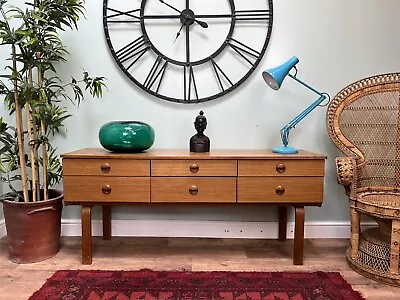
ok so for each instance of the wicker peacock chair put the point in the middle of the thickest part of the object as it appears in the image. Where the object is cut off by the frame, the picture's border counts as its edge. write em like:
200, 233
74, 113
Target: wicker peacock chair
363, 120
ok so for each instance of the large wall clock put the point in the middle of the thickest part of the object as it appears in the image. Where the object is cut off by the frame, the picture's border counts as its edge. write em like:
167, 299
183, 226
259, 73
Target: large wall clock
187, 51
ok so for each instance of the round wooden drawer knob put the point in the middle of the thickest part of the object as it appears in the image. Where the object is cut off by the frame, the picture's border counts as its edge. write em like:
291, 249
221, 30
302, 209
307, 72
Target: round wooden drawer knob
194, 168
280, 168
280, 190
193, 190
105, 168
106, 189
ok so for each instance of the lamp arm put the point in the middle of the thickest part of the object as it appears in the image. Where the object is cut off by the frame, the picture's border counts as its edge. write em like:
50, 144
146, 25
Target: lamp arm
286, 129
305, 84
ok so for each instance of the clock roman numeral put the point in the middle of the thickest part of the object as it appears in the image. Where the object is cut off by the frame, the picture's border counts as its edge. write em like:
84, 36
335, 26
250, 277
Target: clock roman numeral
221, 76
247, 53
252, 15
189, 82
133, 50
117, 13
156, 74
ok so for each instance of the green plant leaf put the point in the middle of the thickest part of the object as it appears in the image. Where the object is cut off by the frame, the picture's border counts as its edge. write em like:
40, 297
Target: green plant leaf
30, 42
35, 30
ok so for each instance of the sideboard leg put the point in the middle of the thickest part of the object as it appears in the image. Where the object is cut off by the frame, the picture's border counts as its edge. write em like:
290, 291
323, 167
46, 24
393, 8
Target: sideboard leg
86, 234
282, 222
298, 236
106, 222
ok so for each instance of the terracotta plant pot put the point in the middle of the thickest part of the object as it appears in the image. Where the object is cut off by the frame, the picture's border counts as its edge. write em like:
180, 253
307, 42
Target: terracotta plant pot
34, 228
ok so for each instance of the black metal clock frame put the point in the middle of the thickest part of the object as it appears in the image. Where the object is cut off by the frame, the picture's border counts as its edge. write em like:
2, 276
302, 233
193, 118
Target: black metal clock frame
137, 48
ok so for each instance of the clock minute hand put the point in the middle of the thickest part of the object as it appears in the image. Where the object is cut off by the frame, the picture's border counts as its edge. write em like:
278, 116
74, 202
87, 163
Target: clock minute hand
175, 9
201, 23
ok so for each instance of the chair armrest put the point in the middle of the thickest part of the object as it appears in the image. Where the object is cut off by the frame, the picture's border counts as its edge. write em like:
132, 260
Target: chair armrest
345, 168
346, 171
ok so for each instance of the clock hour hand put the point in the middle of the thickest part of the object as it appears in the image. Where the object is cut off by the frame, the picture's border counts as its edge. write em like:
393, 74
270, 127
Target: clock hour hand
201, 23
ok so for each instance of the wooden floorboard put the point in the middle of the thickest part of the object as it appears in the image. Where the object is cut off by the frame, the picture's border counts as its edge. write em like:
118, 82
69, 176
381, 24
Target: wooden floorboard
194, 254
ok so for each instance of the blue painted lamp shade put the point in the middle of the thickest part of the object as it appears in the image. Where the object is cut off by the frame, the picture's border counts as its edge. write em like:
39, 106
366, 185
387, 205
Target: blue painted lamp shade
126, 136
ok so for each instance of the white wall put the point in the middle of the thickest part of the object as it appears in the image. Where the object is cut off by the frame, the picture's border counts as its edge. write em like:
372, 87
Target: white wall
337, 42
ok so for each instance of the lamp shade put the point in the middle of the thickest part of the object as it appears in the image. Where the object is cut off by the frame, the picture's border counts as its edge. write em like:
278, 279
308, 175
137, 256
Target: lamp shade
275, 76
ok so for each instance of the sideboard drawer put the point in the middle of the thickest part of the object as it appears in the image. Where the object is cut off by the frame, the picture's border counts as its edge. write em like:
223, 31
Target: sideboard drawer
193, 168
281, 167
106, 167
280, 189
193, 189
106, 189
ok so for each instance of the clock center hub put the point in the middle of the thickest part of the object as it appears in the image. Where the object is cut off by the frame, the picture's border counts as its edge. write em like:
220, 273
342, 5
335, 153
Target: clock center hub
187, 17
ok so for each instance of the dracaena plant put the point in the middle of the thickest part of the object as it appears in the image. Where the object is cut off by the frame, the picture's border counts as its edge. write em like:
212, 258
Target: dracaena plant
33, 93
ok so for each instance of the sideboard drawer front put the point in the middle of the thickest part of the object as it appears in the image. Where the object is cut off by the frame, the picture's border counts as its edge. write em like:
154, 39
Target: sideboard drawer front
280, 190
106, 167
193, 190
193, 168
106, 189
281, 167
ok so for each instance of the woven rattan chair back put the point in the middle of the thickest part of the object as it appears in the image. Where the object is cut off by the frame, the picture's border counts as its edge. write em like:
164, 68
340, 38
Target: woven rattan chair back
363, 120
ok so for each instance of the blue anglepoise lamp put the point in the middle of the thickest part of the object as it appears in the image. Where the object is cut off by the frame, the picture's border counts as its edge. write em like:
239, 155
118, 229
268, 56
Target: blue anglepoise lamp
274, 78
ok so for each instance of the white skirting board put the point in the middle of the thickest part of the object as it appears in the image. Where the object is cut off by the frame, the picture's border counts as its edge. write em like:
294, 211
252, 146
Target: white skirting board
2, 229
205, 229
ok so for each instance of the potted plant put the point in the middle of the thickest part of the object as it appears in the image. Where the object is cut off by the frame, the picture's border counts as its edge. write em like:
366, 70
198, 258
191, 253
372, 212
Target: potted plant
33, 94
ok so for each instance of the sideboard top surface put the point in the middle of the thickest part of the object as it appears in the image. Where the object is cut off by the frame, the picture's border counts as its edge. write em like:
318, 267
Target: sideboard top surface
185, 154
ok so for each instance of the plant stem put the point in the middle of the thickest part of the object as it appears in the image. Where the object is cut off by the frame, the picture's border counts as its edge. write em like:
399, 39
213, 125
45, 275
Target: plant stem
20, 136
31, 126
43, 134
35, 149
12, 188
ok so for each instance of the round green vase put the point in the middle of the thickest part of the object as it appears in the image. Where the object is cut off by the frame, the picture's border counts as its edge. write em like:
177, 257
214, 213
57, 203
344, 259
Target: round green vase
126, 136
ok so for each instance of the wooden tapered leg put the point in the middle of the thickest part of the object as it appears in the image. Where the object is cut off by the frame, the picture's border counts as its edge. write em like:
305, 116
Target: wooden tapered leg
86, 235
355, 231
106, 222
282, 210
298, 247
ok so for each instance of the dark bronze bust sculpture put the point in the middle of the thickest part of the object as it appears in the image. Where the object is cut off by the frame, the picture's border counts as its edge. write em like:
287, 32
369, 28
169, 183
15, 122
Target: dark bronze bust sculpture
200, 142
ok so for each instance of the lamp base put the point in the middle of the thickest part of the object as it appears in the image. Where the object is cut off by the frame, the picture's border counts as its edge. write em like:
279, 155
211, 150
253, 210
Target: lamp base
285, 150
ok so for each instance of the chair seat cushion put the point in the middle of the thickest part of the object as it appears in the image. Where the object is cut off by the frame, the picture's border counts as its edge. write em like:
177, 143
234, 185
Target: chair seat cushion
384, 205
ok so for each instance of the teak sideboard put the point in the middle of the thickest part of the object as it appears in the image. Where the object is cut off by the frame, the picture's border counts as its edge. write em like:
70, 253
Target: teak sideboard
177, 176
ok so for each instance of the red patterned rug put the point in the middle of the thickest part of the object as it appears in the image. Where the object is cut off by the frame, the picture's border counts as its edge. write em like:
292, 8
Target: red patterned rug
148, 284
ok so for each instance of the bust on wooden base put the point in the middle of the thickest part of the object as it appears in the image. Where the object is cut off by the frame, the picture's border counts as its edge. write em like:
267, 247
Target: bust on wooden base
200, 142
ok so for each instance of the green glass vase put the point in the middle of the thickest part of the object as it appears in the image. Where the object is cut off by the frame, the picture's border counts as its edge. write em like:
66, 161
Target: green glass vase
126, 136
